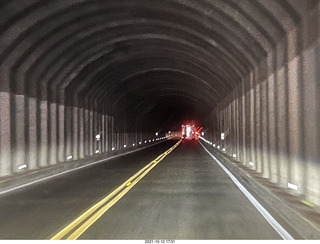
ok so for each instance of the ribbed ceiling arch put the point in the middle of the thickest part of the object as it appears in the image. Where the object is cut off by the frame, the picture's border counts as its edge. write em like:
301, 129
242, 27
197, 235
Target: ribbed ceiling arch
69, 51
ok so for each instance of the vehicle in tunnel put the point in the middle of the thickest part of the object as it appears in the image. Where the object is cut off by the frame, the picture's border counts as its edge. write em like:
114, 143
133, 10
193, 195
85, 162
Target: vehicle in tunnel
189, 132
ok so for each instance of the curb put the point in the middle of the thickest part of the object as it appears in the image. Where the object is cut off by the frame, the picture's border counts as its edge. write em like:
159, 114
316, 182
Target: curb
303, 226
21, 180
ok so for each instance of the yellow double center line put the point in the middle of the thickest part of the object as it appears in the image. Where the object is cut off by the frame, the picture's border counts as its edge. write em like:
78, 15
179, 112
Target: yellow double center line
83, 222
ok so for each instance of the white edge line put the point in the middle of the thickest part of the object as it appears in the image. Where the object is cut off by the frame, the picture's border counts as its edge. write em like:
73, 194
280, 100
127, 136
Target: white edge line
74, 169
276, 226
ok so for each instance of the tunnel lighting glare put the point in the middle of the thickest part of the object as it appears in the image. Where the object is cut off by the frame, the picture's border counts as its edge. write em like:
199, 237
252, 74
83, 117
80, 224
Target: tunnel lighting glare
234, 155
202, 133
218, 147
98, 136
293, 186
214, 145
251, 164
23, 166
69, 157
113, 148
210, 143
145, 141
133, 144
223, 149
124, 145
152, 139
97, 151
222, 136
149, 140
140, 142
157, 133
169, 132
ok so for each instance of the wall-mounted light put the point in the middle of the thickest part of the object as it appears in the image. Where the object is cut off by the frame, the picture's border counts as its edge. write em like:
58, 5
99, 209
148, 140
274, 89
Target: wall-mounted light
251, 164
222, 136
124, 145
223, 149
113, 148
23, 166
140, 142
133, 144
157, 133
97, 151
214, 145
234, 155
293, 186
69, 157
98, 137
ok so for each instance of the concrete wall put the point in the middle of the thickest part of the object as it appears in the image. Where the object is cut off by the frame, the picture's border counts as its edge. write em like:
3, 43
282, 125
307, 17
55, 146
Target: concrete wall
272, 118
36, 134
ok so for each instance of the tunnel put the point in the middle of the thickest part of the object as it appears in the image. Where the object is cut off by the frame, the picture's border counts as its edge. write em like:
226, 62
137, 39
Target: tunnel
85, 80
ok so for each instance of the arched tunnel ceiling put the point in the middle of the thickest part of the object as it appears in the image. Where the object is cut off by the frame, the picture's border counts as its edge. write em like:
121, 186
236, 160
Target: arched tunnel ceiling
138, 54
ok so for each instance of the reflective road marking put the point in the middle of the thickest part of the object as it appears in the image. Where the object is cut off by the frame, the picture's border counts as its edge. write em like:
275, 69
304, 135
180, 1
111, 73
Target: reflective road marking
278, 228
83, 222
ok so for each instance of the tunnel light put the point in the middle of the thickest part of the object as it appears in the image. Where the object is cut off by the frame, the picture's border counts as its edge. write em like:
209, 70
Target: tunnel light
157, 133
222, 136
113, 148
23, 166
140, 142
293, 186
152, 139
124, 146
218, 147
210, 143
202, 133
169, 132
69, 157
251, 164
223, 149
133, 144
234, 155
98, 136
149, 140
145, 141
97, 151
214, 145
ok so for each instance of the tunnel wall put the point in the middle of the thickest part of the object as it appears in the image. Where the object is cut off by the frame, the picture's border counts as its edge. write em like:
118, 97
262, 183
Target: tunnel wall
271, 120
35, 134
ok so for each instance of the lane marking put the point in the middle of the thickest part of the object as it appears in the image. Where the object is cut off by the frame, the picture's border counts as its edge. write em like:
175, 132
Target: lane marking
310, 204
74, 169
276, 226
83, 222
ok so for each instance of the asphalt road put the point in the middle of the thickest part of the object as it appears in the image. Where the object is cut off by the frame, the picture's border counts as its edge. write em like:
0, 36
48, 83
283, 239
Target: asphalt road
186, 196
